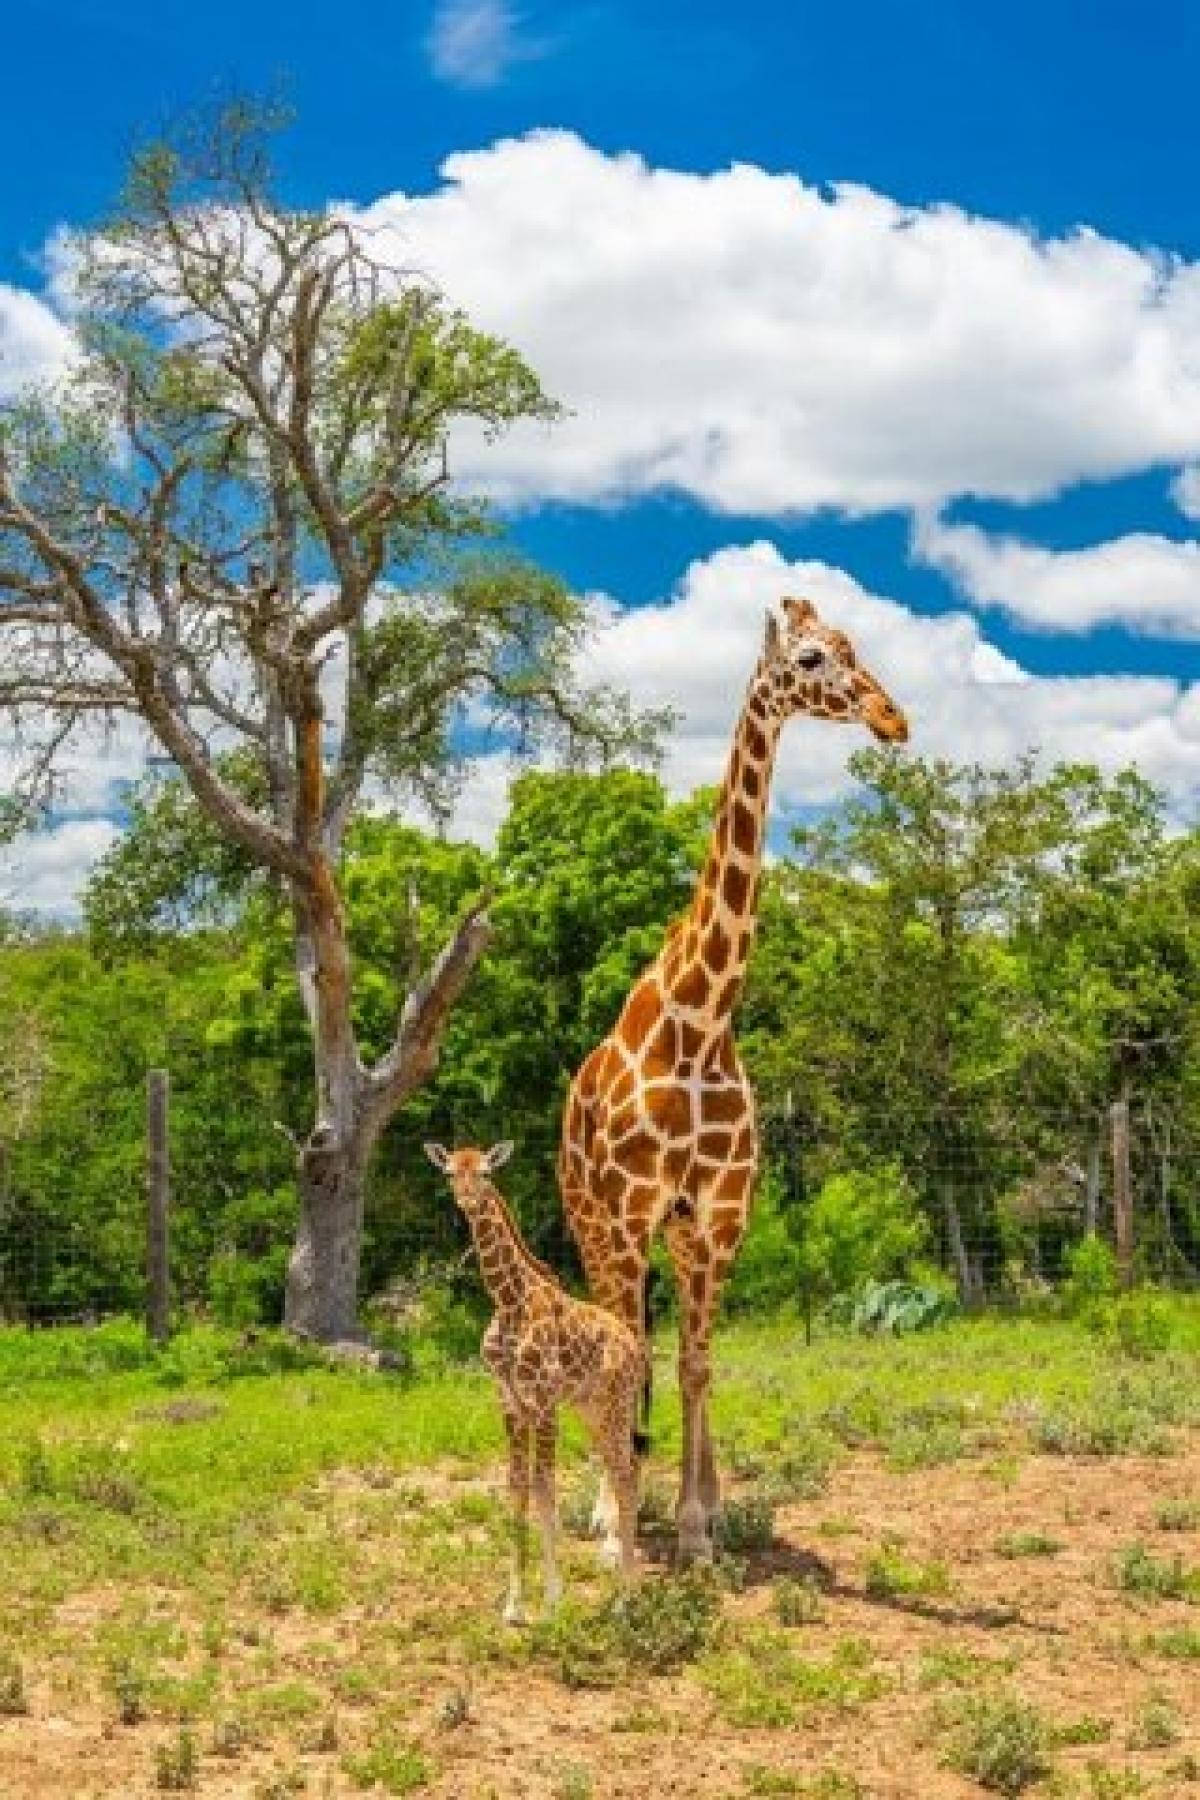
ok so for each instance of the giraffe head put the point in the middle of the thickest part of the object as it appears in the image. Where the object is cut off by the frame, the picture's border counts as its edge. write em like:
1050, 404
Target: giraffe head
468, 1170
812, 668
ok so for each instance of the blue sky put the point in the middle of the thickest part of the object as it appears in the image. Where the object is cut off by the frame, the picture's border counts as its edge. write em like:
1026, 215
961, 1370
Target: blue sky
1066, 549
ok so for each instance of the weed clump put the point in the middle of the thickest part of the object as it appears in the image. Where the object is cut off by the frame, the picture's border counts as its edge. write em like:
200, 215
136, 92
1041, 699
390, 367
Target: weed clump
999, 1741
796, 1602
396, 1768
656, 1628
14, 1701
1017, 1544
892, 1576
177, 1765
1136, 1571
1178, 1515
761, 1681
746, 1524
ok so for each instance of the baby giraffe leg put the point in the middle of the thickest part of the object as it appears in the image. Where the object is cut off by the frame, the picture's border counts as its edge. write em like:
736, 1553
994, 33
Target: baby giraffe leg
545, 1434
518, 1432
622, 1469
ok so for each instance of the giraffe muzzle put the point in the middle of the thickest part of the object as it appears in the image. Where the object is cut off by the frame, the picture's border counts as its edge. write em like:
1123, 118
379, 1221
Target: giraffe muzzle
884, 720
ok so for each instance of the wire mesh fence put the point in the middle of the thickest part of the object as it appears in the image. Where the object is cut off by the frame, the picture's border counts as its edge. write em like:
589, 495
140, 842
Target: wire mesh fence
1005, 1201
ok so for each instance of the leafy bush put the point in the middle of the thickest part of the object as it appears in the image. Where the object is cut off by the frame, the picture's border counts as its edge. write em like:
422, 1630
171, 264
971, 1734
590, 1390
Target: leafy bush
1091, 1276
1000, 1742
886, 1308
657, 1628
861, 1227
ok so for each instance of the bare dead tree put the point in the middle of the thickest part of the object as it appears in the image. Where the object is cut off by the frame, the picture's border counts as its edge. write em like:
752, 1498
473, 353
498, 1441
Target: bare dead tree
231, 521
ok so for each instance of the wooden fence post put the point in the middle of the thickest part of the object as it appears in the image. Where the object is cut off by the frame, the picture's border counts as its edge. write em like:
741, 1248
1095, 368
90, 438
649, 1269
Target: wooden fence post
1122, 1191
158, 1196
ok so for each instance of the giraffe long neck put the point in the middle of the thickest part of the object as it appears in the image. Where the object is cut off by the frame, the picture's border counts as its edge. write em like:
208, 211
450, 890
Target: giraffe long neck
508, 1267
719, 930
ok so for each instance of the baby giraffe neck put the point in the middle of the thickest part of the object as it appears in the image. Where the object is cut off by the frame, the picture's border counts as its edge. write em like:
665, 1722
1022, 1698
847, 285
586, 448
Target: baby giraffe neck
507, 1266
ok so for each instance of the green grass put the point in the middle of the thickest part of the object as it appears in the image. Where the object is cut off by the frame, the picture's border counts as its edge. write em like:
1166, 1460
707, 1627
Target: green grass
213, 1505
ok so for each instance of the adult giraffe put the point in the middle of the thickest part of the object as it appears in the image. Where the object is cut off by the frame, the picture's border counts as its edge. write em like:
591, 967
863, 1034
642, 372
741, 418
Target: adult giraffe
659, 1128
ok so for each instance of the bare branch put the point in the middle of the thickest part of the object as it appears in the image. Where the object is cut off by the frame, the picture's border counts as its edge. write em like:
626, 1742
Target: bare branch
413, 1056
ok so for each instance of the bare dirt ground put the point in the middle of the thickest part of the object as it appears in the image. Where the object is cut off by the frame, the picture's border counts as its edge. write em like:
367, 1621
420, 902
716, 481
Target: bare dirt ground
1054, 1628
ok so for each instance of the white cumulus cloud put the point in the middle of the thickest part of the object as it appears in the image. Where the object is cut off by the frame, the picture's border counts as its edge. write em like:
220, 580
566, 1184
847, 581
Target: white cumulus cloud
1145, 582
964, 699
768, 346
45, 873
35, 345
1185, 491
474, 43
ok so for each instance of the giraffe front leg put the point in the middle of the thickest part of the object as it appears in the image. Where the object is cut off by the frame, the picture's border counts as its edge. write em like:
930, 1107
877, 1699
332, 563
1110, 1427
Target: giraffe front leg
518, 1432
544, 1439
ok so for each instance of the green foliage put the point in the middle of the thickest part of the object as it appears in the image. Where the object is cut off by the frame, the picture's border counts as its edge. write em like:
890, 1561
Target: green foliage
886, 1308
1137, 1571
1091, 1267
1000, 1741
861, 1227
657, 1628
394, 1767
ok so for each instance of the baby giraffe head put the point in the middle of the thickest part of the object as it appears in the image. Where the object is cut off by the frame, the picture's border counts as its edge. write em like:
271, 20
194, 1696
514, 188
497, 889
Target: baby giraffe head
812, 668
468, 1170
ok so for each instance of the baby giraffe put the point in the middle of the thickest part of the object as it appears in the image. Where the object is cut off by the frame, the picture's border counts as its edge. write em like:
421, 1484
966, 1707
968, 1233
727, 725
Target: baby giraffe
544, 1347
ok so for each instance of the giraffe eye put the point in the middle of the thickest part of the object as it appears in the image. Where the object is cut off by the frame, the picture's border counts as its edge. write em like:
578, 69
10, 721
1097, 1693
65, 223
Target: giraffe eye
810, 659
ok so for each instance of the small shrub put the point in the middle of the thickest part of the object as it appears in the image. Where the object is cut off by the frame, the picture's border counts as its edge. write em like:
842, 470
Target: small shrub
796, 1602
1142, 1326
1001, 1742
763, 1783
761, 1682
1091, 1276
954, 1667
890, 1575
394, 1767
658, 1627
1181, 1645
1085, 1730
14, 1701
130, 1685
1114, 1784
575, 1783
1178, 1515
746, 1524
889, 1308
1136, 1571
177, 1765
1156, 1726
35, 1471
802, 1473
1017, 1544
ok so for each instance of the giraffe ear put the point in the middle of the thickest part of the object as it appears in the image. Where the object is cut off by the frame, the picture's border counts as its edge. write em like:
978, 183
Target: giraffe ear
499, 1154
799, 612
438, 1155
771, 640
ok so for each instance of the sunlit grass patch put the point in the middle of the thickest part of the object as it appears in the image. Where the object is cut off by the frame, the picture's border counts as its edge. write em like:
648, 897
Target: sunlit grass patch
759, 1679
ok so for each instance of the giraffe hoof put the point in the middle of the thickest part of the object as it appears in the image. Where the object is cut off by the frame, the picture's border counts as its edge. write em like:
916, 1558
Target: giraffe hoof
694, 1547
610, 1553
514, 1613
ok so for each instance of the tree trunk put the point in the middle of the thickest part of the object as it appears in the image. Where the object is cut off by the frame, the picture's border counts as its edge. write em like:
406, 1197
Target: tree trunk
963, 1272
322, 1279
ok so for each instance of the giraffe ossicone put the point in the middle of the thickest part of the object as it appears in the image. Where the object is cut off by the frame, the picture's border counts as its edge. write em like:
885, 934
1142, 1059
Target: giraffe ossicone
546, 1349
659, 1130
